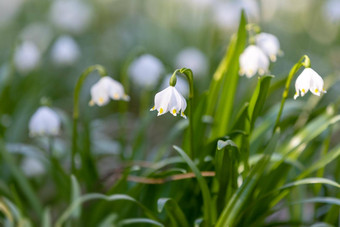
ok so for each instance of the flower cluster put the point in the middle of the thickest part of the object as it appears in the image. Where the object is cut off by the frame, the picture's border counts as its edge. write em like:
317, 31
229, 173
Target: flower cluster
256, 57
107, 88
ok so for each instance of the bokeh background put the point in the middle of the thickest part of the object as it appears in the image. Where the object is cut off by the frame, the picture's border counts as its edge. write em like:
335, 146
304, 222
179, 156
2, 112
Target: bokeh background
45, 46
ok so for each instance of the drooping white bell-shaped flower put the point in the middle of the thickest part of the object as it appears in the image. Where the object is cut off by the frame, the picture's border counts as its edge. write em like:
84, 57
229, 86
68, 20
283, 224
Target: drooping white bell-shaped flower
44, 122
253, 61
309, 80
169, 100
182, 85
269, 44
146, 70
71, 15
193, 59
107, 88
65, 51
27, 57
32, 167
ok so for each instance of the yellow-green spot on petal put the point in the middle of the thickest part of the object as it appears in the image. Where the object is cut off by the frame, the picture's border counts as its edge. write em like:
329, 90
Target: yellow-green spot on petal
116, 96
174, 111
161, 110
316, 90
153, 108
303, 90
101, 100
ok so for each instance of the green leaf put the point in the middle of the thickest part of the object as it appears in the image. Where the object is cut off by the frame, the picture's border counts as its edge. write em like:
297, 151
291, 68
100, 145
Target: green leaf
173, 211
75, 204
139, 221
208, 209
328, 200
76, 193
223, 86
226, 167
46, 219
312, 180
258, 99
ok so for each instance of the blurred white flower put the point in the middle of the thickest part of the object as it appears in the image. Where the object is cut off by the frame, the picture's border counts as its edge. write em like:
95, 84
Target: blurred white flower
44, 122
309, 80
71, 15
193, 59
253, 61
65, 51
8, 9
227, 14
32, 167
332, 10
107, 88
38, 33
269, 44
169, 100
146, 70
181, 85
26, 57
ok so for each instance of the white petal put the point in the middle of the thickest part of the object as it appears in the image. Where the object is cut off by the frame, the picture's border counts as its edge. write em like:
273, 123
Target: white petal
303, 82
253, 60
44, 122
269, 44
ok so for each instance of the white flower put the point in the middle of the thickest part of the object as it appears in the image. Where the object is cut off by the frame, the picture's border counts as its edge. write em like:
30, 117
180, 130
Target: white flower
26, 57
332, 10
193, 59
107, 88
32, 167
269, 44
309, 80
65, 51
181, 85
253, 60
44, 122
169, 100
146, 70
38, 33
71, 15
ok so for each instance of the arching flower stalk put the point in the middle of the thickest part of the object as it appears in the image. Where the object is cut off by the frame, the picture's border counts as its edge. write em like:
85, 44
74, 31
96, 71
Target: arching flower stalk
170, 100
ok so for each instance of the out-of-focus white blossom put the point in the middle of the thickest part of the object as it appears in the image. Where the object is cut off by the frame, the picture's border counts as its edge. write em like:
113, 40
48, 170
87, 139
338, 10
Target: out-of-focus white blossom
65, 51
332, 10
227, 14
193, 59
38, 33
269, 44
309, 80
26, 57
8, 9
253, 61
107, 88
71, 15
169, 100
32, 167
146, 70
181, 85
44, 122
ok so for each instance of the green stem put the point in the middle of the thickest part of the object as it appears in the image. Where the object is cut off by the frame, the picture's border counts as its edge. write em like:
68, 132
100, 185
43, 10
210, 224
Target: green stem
304, 61
77, 90
189, 76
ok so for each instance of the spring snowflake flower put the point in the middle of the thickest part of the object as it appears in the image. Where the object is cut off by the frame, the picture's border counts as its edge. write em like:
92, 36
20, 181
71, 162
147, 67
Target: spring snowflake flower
44, 122
71, 15
309, 80
182, 85
27, 57
65, 51
193, 59
169, 100
253, 60
107, 88
146, 70
269, 44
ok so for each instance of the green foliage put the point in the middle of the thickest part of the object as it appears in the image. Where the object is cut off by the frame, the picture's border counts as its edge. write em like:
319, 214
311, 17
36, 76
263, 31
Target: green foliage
246, 153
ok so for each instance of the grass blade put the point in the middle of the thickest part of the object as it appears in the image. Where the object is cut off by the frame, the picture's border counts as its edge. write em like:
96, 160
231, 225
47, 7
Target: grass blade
174, 212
